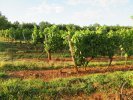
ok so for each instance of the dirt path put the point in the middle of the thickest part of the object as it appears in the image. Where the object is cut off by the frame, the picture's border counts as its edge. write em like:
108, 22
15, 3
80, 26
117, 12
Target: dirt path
48, 75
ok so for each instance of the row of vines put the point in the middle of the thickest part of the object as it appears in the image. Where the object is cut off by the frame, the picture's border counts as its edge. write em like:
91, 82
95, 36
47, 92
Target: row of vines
82, 42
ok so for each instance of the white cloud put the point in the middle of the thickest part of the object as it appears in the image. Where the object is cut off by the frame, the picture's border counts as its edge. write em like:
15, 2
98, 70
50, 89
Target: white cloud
87, 15
102, 3
93, 16
43, 12
46, 8
77, 2
112, 2
74, 2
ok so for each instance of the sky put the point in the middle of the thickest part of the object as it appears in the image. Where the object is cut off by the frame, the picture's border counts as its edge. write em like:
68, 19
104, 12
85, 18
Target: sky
79, 12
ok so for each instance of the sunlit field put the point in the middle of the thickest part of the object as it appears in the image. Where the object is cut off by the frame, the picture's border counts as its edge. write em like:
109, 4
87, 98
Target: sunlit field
66, 50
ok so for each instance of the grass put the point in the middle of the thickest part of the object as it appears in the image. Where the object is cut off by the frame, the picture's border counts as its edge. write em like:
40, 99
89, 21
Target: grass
41, 65
4, 46
103, 64
3, 75
32, 65
25, 51
57, 89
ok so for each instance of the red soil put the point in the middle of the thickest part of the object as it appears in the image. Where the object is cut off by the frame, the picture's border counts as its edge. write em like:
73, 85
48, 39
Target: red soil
48, 75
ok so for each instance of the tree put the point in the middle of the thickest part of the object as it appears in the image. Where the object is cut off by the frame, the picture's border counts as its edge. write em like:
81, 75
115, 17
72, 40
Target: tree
72, 51
35, 34
108, 41
16, 25
81, 45
12, 33
127, 42
26, 34
42, 26
53, 40
4, 23
68, 37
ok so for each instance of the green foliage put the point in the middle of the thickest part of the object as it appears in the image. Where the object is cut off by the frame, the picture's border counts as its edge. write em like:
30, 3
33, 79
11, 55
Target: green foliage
4, 23
16, 89
16, 34
30, 65
83, 42
103, 42
3, 75
37, 89
16, 66
53, 40
127, 41
35, 34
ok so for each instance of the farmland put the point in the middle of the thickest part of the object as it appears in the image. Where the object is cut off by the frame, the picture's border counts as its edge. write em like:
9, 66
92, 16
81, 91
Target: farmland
59, 62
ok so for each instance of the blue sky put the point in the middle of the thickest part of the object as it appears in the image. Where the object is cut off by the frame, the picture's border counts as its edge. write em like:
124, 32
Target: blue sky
80, 12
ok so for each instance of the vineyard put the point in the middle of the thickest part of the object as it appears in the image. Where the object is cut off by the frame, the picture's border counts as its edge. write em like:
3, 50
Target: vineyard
59, 62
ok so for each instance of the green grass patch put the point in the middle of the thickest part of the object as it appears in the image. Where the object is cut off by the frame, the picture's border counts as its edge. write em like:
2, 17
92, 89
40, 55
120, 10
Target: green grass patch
103, 64
41, 65
4, 46
31, 65
3, 75
30, 89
